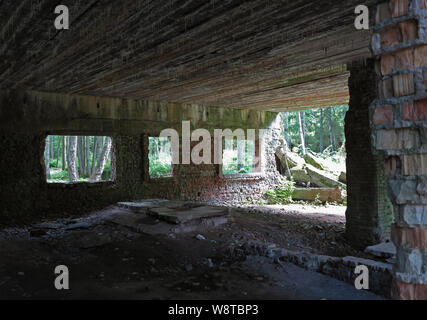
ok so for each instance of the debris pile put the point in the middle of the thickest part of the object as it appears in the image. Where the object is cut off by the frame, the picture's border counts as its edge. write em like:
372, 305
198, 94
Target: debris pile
314, 179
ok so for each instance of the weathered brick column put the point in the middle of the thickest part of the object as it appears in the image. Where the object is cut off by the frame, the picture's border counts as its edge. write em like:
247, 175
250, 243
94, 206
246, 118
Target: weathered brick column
399, 120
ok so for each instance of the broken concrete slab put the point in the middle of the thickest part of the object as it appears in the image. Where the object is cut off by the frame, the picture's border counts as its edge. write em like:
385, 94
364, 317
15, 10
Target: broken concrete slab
166, 217
142, 206
336, 267
322, 194
48, 225
184, 215
309, 169
322, 178
310, 159
151, 225
288, 158
78, 225
300, 175
382, 250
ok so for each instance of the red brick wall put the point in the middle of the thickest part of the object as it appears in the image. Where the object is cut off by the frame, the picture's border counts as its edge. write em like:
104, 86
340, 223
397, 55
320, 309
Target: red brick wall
399, 119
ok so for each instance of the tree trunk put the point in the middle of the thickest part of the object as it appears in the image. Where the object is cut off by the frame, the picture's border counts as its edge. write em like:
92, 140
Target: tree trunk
97, 144
52, 147
113, 163
321, 131
303, 126
334, 135
87, 158
79, 154
72, 159
301, 133
331, 129
99, 169
286, 127
64, 148
47, 157
240, 154
164, 144
57, 151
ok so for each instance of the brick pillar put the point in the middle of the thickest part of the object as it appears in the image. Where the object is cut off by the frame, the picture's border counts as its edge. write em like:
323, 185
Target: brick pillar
399, 121
369, 212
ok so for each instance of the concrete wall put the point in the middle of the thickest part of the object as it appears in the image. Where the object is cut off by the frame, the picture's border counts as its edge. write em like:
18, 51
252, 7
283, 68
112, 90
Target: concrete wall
399, 119
369, 214
27, 117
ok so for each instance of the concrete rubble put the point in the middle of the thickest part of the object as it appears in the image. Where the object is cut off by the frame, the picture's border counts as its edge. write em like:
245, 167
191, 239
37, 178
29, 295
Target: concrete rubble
155, 216
382, 250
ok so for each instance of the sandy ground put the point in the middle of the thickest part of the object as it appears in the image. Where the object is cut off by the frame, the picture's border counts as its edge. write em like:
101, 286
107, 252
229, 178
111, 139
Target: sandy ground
110, 261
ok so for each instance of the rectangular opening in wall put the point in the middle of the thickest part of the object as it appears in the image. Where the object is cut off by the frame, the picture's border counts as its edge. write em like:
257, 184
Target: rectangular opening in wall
239, 157
313, 156
71, 159
159, 157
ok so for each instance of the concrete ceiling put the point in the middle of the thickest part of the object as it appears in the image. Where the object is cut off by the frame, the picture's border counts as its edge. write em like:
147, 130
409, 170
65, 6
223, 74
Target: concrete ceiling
262, 54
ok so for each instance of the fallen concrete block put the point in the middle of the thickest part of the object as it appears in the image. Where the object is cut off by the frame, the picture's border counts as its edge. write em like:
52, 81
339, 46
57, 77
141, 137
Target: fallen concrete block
322, 194
184, 215
142, 206
310, 159
382, 250
287, 156
300, 175
323, 179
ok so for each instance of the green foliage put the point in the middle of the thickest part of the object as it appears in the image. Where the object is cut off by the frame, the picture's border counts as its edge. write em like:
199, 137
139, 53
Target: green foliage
317, 131
55, 154
159, 157
281, 194
233, 168
61, 176
317, 201
159, 170
52, 163
230, 164
106, 175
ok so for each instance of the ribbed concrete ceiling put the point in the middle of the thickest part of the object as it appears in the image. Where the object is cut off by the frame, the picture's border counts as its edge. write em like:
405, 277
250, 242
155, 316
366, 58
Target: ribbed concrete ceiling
261, 54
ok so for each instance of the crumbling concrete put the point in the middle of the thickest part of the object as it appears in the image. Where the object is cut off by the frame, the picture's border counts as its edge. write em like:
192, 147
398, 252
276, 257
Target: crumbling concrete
382, 250
339, 268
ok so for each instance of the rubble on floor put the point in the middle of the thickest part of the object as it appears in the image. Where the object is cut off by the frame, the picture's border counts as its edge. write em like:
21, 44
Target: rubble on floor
156, 216
341, 268
310, 172
383, 250
262, 253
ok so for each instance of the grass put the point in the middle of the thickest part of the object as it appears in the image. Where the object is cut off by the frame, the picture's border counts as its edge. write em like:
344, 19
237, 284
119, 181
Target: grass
281, 194
159, 169
61, 176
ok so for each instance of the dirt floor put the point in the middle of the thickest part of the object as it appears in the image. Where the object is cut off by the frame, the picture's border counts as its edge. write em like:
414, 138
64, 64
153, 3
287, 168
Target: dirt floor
107, 260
